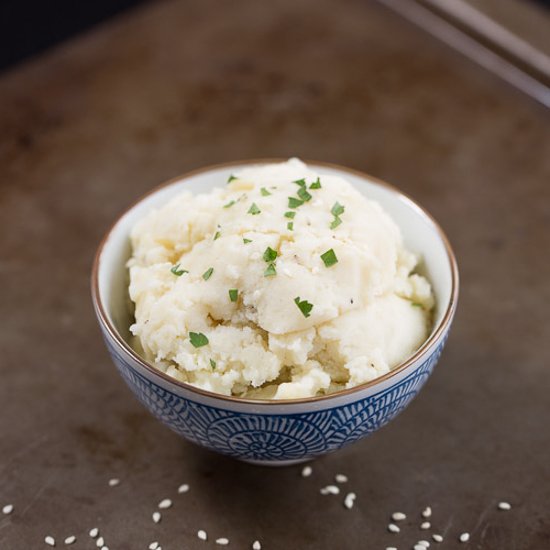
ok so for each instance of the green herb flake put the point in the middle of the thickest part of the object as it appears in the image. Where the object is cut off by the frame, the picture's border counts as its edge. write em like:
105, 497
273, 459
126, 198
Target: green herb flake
290, 226
304, 306
208, 273
303, 194
213, 363
233, 294
229, 204
270, 255
416, 304
270, 271
329, 258
335, 222
337, 209
293, 202
217, 235
290, 215
264, 192
231, 178
198, 339
177, 271
301, 182
254, 209
246, 241
316, 184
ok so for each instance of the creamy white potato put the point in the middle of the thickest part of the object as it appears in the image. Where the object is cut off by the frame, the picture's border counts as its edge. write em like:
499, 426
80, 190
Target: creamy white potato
281, 283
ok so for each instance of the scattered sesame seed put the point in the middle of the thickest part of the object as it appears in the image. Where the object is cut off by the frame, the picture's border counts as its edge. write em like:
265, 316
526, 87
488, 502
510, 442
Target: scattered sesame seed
330, 490
114, 482
419, 547
105, 548
391, 548
222, 541
427, 512
202, 534
423, 543
70, 540
437, 538
465, 537
256, 544
307, 471
392, 528
50, 541
165, 504
94, 532
425, 525
183, 488
350, 500
157, 517
398, 516
154, 546
100, 542
341, 478
504, 506
7, 509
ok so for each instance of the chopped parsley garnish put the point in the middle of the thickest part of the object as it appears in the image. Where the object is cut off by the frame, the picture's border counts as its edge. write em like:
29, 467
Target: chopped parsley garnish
177, 271
246, 241
293, 202
230, 203
335, 222
217, 235
270, 271
416, 304
337, 209
231, 178
290, 226
254, 209
290, 214
198, 339
213, 363
208, 273
270, 255
304, 306
303, 194
316, 184
233, 294
264, 192
329, 258
301, 182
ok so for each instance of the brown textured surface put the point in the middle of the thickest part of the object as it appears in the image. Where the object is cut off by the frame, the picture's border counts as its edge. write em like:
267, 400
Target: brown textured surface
88, 128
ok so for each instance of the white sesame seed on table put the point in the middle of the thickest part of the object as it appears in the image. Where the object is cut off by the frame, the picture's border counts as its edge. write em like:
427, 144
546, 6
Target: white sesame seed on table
425, 525
222, 541
427, 512
154, 546
391, 548
330, 490
100, 542
256, 545
392, 528
202, 534
165, 504
504, 506
50, 541
70, 540
156, 517
437, 538
105, 548
349, 501
114, 482
419, 547
398, 516
464, 537
341, 478
424, 543
94, 531
7, 509
183, 488
307, 471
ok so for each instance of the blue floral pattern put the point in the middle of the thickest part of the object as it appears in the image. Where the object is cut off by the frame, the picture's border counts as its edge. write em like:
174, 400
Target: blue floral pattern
276, 437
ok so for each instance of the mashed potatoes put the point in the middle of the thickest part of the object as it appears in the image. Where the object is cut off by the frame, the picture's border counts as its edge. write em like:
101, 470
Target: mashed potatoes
279, 284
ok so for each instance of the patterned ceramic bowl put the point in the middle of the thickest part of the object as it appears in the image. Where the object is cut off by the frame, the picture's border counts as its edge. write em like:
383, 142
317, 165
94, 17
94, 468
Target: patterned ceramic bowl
274, 432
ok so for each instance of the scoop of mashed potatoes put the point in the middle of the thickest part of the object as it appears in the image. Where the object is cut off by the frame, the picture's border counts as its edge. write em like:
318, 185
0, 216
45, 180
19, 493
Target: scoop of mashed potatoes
281, 283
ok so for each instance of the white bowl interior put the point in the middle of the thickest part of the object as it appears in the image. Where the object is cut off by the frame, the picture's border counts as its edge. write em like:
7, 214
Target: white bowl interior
419, 232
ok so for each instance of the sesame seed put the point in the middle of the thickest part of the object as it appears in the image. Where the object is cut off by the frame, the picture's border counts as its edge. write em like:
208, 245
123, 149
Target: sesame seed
350, 500
222, 541
165, 504
425, 525
330, 490
94, 532
157, 517
154, 546
202, 534
423, 543
114, 482
70, 540
504, 506
100, 542
392, 528
7, 509
419, 547
256, 545
465, 537
398, 516
437, 538
105, 548
50, 541
391, 548
427, 512
307, 471
341, 478
183, 488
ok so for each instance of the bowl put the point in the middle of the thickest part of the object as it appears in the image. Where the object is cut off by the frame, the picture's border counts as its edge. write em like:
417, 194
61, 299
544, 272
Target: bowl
266, 431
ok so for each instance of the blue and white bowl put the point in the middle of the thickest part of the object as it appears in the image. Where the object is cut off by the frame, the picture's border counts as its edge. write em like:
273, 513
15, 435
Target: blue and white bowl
262, 431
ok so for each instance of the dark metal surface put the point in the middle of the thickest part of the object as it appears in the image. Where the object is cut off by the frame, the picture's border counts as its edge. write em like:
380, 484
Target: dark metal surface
178, 85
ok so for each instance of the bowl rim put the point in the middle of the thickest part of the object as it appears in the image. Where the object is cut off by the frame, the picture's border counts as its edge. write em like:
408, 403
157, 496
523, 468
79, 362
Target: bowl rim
421, 352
